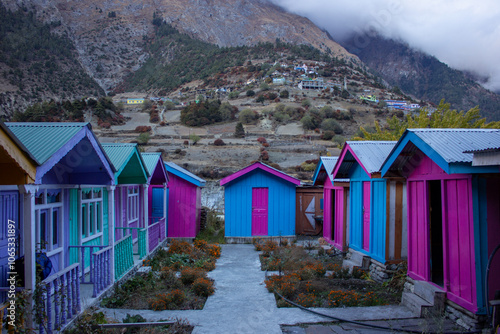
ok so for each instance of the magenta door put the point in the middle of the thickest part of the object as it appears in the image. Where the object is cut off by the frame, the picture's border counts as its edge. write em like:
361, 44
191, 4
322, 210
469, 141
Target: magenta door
259, 211
366, 216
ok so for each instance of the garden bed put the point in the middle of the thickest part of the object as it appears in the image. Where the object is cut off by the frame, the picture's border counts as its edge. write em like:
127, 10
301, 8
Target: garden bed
315, 278
177, 280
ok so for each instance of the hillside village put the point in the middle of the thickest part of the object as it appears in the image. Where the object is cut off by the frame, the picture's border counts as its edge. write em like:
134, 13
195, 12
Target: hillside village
240, 202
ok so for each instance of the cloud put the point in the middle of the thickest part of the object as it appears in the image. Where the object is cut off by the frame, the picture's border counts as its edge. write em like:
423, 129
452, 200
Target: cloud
464, 34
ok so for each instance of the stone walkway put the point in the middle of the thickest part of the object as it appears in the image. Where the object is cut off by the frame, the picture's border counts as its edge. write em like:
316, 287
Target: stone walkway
242, 304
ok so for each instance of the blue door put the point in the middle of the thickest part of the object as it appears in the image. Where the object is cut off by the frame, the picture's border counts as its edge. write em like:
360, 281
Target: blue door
9, 211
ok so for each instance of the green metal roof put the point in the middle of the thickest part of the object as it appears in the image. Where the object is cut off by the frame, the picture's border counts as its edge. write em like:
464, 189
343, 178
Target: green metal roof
130, 168
151, 160
42, 139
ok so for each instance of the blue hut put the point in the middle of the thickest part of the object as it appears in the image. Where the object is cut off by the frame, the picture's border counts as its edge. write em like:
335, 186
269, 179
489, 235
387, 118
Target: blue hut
259, 201
377, 206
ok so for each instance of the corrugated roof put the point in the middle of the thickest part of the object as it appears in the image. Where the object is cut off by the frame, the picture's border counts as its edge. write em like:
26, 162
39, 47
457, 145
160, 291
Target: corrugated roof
119, 154
371, 154
42, 139
151, 160
261, 166
451, 144
185, 174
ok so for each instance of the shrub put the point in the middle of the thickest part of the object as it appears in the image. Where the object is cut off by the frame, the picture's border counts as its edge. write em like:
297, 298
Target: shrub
142, 128
250, 93
189, 275
308, 122
331, 125
219, 142
328, 135
306, 300
284, 94
143, 138
247, 116
262, 140
264, 155
203, 287
239, 131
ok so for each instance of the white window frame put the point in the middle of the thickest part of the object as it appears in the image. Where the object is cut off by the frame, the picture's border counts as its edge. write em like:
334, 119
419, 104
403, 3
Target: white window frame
51, 248
133, 200
92, 227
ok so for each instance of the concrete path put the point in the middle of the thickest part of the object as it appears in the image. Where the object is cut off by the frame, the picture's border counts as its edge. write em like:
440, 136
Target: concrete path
242, 304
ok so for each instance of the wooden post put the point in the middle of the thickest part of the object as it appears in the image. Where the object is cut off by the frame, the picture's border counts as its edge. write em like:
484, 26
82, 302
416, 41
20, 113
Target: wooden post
145, 211
111, 229
28, 192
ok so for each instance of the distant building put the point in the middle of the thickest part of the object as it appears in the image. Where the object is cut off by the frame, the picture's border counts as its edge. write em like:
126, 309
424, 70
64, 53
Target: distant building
135, 101
279, 81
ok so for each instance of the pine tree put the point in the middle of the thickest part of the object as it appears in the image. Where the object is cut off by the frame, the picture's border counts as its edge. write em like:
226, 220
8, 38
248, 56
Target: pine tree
239, 131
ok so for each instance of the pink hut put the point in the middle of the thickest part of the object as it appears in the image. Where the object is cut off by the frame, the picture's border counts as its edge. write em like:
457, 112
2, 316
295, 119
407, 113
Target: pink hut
453, 215
335, 203
184, 202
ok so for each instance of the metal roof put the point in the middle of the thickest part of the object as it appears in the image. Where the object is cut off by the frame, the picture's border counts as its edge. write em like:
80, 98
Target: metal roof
369, 154
42, 139
451, 144
119, 154
451, 149
185, 174
327, 163
151, 160
261, 166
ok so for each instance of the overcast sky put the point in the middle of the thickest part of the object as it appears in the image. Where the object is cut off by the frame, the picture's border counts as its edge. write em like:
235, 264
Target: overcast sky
464, 34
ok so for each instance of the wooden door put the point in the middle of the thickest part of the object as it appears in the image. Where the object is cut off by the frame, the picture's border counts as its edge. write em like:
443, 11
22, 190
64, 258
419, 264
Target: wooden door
157, 204
366, 216
259, 211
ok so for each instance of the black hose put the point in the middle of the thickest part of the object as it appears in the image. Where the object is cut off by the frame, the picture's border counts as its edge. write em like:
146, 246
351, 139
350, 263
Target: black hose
486, 279
362, 323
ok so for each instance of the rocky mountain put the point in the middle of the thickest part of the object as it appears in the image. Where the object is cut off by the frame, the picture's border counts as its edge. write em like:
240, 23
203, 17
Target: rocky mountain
109, 35
424, 76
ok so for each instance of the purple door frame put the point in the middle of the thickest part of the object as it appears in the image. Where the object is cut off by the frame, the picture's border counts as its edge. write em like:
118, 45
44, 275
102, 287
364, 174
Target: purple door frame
366, 216
259, 211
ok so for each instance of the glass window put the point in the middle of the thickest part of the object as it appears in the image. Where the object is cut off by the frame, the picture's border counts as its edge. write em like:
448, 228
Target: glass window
92, 217
43, 228
99, 216
55, 227
84, 219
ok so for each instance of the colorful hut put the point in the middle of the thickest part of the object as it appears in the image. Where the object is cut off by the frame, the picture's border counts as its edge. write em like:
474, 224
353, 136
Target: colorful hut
376, 220
65, 211
157, 195
17, 168
453, 211
259, 201
130, 203
184, 202
335, 203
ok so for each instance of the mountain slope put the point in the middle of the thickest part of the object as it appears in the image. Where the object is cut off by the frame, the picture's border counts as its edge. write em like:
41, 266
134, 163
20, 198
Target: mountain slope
424, 76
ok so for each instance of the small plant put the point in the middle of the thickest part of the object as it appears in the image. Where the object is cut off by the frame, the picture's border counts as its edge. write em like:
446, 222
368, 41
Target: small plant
219, 142
203, 287
189, 275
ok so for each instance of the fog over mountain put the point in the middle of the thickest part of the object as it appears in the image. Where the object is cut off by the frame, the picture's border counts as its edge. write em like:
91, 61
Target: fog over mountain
464, 34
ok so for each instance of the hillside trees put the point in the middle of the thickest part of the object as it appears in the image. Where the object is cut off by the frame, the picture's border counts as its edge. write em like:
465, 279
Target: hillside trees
207, 112
442, 117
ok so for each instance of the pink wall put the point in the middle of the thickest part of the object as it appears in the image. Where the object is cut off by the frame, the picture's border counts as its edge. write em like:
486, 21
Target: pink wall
458, 232
183, 208
327, 210
339, 213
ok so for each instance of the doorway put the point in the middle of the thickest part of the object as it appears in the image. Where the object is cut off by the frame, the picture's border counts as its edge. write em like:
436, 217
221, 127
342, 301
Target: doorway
436, 232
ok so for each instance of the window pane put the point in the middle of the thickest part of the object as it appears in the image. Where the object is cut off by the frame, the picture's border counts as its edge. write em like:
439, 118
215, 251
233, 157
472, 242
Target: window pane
39, 198
53, 195
99, 215
55, 227
86, 194
92, 218
97, 193
84, 219
43, 229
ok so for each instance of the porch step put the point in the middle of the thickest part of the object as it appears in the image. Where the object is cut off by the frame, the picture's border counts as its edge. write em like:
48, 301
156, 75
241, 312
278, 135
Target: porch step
414, 303
426, 300
430, 293
357, 259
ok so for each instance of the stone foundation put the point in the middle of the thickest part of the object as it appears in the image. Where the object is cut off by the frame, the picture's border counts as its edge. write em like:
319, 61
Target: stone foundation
380, 272
463, 317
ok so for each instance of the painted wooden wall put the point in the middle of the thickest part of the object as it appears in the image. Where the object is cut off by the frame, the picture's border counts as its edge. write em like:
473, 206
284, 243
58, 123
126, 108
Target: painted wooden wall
457, 228
9, 210
238, 204
309, 205
184, 206
328, 223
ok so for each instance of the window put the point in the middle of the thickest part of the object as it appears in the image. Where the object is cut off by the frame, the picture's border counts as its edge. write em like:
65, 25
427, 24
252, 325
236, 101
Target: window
92, 214
48, 218
133, 204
